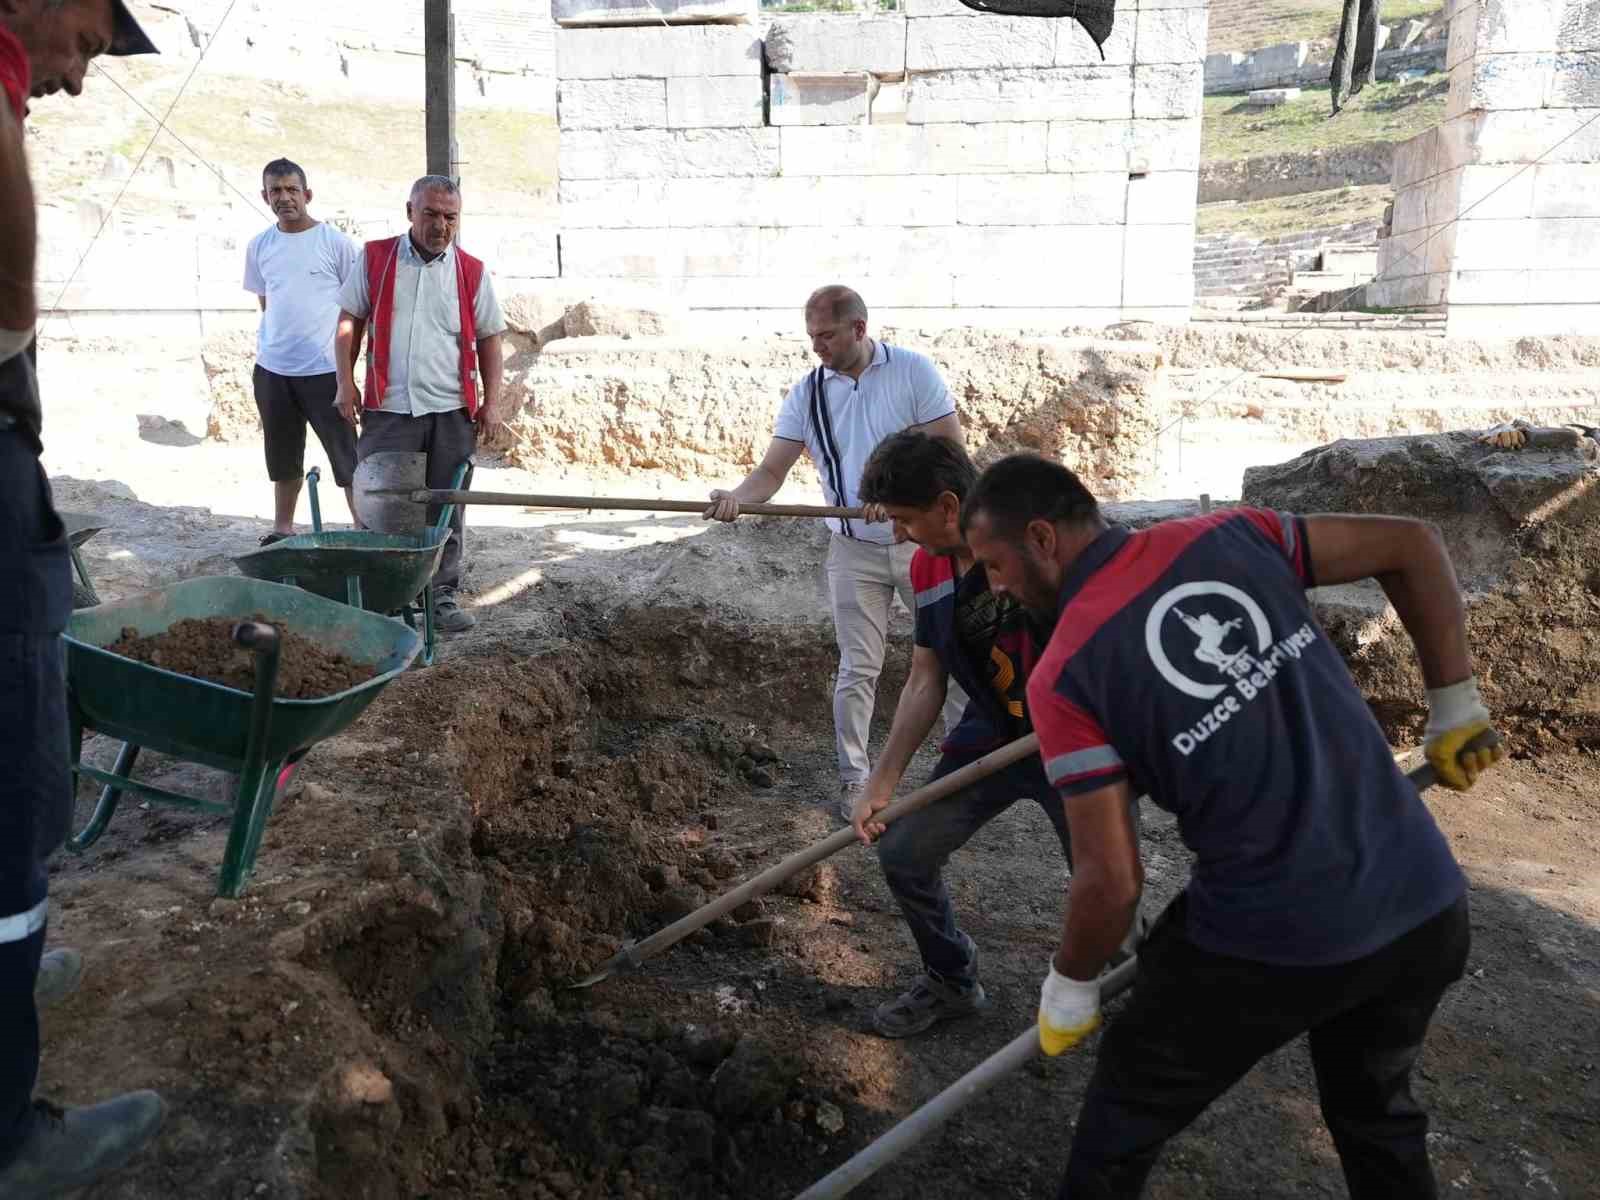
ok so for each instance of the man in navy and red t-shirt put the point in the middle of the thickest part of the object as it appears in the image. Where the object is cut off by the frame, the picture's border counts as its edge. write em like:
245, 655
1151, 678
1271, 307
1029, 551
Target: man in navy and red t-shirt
1186, 662
981, 640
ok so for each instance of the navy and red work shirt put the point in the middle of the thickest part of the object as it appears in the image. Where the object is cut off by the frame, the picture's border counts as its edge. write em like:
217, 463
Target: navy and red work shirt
982, 643
1186, 660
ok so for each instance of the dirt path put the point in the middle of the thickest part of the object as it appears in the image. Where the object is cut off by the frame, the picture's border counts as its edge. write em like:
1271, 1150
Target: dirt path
381, 1014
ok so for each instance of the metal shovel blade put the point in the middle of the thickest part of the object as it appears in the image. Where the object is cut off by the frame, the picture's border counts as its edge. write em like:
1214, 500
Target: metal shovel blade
381, 486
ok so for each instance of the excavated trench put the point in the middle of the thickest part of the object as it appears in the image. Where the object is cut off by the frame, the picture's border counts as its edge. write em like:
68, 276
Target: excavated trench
600, 791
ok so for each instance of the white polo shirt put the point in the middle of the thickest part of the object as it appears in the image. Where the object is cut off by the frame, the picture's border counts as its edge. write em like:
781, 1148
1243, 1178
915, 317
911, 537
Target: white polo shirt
425, 337
843, 426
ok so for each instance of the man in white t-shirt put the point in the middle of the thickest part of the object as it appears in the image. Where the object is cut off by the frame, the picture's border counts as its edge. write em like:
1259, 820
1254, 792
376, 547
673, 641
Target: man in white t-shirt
863, 391
295, 269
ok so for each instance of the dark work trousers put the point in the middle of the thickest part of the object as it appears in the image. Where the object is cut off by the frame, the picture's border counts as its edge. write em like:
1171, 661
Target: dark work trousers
1198, 1021
914, 849
35, 783
1355, 58
448, 439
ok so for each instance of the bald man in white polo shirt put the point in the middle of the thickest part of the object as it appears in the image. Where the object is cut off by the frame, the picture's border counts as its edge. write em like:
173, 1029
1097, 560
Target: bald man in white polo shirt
863, 391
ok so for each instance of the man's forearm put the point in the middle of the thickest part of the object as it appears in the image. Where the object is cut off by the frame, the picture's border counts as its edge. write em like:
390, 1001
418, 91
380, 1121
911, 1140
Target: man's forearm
1098, 916
757, 486
1427, 599
18, 304
914, 715
347, 347
492, 363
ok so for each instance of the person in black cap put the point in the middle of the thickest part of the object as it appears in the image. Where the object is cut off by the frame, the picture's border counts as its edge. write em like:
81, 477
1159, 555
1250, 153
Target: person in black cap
45, 47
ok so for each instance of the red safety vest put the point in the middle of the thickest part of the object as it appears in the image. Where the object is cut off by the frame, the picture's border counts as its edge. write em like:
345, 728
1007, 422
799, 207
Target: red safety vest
381, 257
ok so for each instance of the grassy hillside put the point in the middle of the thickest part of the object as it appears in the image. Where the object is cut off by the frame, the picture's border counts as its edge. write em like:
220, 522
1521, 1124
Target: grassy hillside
1250, 24
1385, 112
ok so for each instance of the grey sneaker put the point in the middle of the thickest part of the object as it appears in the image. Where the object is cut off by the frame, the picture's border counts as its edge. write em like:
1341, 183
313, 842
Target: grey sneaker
59, 972
71, 1148
847, 799
927, 1003
449, 616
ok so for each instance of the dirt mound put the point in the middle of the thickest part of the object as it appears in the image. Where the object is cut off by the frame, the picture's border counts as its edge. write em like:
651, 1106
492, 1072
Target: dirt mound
205, 649
1523, 528
229, 359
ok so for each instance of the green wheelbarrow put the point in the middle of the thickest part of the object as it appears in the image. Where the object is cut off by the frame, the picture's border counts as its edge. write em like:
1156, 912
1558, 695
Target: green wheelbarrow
257, 736
381, 572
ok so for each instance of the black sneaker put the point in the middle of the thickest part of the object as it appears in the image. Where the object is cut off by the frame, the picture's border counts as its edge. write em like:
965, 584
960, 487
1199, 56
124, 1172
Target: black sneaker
70, 1148
59, 972
927, 1003
449, 616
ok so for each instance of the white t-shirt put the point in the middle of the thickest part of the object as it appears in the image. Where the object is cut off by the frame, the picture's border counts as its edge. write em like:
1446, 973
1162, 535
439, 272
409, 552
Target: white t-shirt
299, 274
899, 389
425, 339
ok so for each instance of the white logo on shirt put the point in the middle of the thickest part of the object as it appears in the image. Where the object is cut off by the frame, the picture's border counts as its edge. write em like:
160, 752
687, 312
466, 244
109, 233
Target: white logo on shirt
1232, 639
1217, 640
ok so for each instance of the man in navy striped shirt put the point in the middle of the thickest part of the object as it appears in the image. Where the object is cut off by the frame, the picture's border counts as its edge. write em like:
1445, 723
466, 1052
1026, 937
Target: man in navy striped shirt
1186, 663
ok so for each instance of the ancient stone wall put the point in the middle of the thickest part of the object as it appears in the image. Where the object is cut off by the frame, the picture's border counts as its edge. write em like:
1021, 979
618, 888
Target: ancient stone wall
942, 161
1497, 209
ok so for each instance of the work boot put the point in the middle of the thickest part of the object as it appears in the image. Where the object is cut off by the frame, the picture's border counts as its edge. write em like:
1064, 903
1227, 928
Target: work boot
449, 616
59, 972
70, 1148
929, 1001
848, 792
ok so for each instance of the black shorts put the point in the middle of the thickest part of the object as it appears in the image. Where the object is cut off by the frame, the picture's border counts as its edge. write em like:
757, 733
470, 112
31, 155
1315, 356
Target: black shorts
286, 403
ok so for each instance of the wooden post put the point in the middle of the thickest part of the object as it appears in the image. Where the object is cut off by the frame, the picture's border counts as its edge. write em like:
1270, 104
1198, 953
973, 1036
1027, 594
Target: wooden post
439, 36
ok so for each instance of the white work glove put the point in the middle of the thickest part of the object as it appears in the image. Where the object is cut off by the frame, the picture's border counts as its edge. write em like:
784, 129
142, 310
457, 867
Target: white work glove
1069, 1011
1508, 435
1457, 715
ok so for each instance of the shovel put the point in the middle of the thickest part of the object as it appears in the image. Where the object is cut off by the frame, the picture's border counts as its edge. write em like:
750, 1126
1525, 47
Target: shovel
1018, 1051
388, 495
632, 955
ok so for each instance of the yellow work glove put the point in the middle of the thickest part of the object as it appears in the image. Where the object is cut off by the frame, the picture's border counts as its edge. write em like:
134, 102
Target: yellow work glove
1456, 715
1069, 1011
1506, 436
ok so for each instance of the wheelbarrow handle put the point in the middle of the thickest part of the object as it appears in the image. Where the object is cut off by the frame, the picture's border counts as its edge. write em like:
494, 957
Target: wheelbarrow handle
257, 636
618, 503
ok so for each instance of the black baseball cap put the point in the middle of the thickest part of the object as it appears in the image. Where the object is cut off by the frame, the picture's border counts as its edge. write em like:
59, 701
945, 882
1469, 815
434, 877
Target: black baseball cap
128, 38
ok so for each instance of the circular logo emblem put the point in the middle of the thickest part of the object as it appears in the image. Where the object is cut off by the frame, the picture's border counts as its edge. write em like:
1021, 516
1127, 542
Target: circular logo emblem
1221, 627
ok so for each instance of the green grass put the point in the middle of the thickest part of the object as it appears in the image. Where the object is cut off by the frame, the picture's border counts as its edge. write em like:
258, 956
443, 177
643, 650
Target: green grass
1293, 214
1385, 112
1250, 24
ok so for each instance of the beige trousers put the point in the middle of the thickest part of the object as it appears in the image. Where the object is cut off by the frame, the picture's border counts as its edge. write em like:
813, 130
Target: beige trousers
863, 578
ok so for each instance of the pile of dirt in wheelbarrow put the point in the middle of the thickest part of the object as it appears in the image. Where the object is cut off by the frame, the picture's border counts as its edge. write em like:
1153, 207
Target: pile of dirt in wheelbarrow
205, 649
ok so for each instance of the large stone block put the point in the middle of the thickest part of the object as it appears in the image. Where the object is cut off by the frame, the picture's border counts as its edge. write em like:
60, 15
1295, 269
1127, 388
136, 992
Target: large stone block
1562, 189
789, 293
1164, 145
524, 253
837, 45
612, 203
809, 201
914, 149
1157, 250
1089, 145
715, 102
1075, 48
964, 43
1565, 242
1416, 159
613, 103
1498, 193
938, 8
820, 99
1174, 289
1548, 136
668, 153
1499, 321
1167, 90
1574, 81
1081, 257
1500, 81
658, 52
1170, 35
1496, 245
1022, 94
1163, 198
868, 250
1089, 198
589, 13
659, 253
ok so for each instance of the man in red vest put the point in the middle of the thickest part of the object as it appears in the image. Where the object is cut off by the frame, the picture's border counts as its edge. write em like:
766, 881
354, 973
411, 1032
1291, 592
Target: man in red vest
434, 319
